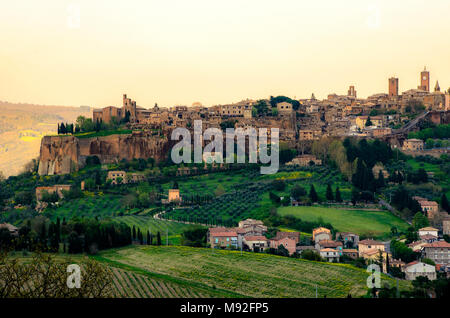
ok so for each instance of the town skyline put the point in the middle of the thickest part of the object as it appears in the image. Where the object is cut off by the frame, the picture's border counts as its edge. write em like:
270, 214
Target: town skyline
433, 81
179, 53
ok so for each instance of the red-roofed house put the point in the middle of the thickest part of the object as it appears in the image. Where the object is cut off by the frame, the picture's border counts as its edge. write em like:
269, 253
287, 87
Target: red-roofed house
221, 237
331, 255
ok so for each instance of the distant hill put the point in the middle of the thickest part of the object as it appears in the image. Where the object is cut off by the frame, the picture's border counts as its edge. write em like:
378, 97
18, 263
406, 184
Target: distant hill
21, 129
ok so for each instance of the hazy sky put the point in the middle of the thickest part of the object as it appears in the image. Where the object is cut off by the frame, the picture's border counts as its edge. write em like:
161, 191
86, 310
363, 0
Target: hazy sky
181, 51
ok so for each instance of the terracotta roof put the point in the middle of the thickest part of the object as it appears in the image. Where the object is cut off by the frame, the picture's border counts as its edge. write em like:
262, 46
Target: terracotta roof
350, 250
275, 239
225, 234
281, 235
370, 242
412, 263
328, 250
219, 229
428, 228
438, 244
255, 238
328, 243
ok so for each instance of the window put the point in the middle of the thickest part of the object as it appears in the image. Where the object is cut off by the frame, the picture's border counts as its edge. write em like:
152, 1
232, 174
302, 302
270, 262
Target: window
228, 239
217, 240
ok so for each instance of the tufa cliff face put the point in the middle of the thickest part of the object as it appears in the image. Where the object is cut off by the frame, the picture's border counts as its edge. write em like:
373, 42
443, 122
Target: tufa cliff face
66, 154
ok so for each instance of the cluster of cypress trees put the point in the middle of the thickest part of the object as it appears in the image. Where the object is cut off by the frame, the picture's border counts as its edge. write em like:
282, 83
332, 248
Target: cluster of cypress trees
138, 236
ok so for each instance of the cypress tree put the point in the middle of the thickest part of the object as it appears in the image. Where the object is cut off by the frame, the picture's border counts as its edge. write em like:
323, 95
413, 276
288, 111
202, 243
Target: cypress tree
444, 203
134, 232
381, 183
338, 195
148, 238
140, 237
313, 194
158, 238
329, 194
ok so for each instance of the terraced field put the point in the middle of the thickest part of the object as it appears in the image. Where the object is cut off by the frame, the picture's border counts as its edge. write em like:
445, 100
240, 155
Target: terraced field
249, 274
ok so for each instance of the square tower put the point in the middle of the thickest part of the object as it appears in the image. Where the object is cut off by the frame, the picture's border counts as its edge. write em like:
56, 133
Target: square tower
393, 86
425, 80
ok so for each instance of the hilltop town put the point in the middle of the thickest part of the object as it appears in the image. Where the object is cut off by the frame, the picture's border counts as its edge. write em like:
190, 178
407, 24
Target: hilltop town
361, 182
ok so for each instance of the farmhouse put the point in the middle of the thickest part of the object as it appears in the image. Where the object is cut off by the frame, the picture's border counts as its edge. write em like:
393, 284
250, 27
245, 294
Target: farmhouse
330, 254
288, 243
221, 237
256, 243
251, 227
431, 208
337, 246
292, 235
428, 231
318, 230
416, 269
369, 245
348, 239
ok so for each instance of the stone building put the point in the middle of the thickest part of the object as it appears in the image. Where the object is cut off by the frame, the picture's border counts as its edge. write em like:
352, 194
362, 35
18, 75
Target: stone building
446, 225
413, 144
416, 269
58, 188
438, 252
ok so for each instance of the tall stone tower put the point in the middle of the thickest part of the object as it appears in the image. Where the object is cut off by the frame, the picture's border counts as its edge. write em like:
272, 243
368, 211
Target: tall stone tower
130, 106
425, 80
393, 86
351, 91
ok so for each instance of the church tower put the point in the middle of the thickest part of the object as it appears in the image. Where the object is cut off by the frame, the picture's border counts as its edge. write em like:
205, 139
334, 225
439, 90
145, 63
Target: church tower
437, 88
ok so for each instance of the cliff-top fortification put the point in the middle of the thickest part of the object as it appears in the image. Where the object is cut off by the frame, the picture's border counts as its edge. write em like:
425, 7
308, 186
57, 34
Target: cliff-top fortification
66, 154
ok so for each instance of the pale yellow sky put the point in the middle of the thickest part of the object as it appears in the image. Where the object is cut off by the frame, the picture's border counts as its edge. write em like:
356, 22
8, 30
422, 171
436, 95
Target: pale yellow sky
182, 51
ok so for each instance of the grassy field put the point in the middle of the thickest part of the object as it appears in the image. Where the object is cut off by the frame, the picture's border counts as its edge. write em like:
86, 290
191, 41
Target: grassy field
147, 223
249, 274
128, 284
370, 223
89, 206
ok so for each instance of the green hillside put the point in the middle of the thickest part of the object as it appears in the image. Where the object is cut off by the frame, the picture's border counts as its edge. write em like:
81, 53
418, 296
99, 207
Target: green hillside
249, 274
369, 223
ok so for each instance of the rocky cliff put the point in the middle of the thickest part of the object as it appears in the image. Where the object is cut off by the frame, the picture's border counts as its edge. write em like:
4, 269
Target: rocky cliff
66, 154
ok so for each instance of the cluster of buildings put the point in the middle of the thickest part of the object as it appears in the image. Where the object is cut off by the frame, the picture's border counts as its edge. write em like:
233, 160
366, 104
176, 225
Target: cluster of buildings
337, 115
250, 235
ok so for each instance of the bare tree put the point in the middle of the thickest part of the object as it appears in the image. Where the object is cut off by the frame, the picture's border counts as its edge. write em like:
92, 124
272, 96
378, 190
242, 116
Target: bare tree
46, 277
